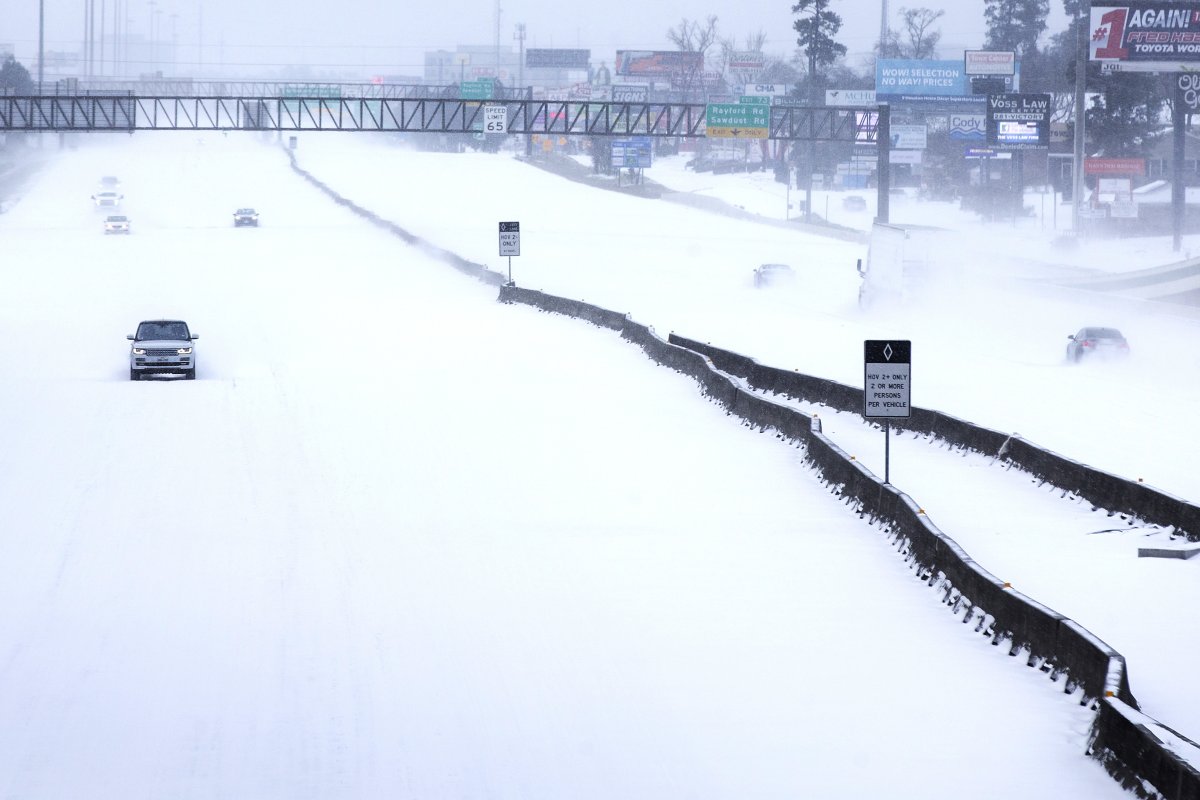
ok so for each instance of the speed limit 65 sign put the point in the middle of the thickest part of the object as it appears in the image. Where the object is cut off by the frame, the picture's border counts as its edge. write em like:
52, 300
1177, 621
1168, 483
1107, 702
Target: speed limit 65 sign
495, 119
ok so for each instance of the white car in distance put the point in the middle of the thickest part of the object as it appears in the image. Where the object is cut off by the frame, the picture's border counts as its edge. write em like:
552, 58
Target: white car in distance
107, 198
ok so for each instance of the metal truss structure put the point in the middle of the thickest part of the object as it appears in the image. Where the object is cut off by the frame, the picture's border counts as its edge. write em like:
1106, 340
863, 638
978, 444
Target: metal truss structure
169, 87
128, 113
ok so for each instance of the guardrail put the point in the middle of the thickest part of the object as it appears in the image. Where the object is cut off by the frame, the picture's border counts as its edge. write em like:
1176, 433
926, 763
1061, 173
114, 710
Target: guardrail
1141, 753
1104, 490
1138, 751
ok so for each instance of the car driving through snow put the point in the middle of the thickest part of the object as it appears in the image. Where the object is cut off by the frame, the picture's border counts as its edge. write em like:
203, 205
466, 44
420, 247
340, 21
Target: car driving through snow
107, 199
245, 216
116, 223
162, 346
1096, 342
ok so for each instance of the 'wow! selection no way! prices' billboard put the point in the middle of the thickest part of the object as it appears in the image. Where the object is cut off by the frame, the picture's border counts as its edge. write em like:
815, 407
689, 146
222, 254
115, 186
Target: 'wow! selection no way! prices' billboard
1145, 36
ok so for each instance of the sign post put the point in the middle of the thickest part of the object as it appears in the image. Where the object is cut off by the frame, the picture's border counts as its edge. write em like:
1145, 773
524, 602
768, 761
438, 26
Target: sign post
887, 377
510, 243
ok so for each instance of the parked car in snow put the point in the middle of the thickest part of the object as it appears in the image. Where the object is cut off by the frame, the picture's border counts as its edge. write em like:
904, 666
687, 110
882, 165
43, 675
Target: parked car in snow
107, 198
116, 223
773, 275
1096, 342
245, 216
854, 202
162, 346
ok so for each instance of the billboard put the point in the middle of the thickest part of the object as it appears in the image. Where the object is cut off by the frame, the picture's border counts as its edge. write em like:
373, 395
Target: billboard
1018, 121
931, 82
990, 62
1145, 36
657, 63
850, 97
557, 58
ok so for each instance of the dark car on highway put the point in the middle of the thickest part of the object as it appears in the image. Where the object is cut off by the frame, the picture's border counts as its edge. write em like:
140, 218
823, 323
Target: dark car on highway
1096, 342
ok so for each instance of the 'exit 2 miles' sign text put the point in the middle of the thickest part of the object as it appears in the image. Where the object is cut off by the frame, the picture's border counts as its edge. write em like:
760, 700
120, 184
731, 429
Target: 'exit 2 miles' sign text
510, 238
888, 377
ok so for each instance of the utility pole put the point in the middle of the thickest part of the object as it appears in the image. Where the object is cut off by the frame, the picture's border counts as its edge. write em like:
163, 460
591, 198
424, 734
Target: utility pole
41, 45
520, 37
1081, 63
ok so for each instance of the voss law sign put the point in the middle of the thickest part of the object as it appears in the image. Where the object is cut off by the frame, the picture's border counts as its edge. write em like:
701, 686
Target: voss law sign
1148, 37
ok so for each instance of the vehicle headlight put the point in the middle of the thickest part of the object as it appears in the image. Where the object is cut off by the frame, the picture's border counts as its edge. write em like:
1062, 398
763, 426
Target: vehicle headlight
139, 351
183, 351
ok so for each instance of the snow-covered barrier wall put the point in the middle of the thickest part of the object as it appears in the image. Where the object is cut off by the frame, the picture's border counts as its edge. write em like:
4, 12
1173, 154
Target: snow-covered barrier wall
1137, 750
478, 271
1104, 490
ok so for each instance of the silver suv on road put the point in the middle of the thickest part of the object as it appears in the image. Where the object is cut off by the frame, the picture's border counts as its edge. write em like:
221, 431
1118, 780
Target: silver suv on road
162, 346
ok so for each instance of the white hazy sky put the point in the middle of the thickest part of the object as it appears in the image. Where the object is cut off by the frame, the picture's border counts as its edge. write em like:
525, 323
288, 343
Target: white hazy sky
376, 38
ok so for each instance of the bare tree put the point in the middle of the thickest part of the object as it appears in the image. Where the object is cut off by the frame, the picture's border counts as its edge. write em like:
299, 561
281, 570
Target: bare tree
918, 41
692, 36
922, 42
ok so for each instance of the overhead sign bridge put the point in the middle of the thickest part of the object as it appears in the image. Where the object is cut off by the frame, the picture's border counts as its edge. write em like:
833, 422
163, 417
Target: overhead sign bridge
128, 113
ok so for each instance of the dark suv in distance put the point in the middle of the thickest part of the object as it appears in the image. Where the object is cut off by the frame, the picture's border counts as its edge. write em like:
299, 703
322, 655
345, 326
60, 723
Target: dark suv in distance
162, 346
1092, 342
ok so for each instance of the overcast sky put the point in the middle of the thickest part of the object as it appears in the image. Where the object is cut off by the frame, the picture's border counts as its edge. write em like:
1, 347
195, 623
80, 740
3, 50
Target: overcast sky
369, 37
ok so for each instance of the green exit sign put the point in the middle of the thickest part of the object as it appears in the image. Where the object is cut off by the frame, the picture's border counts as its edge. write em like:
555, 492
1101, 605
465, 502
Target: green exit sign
754, 100
477, 90
737, 120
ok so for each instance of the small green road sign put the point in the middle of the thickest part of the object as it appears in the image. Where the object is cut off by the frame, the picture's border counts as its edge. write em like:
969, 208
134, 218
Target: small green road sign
477, 90
754, 100
737, 121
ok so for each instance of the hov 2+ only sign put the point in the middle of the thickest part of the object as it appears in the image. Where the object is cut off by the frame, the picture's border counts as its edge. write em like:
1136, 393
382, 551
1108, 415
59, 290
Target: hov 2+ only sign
888, 373
510, 238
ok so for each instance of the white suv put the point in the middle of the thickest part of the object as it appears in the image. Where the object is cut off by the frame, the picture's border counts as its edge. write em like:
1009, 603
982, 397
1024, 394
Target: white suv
116, 223
162, 346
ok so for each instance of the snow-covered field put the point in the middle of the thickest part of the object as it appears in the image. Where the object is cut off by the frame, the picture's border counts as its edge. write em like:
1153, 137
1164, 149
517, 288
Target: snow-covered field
401, 541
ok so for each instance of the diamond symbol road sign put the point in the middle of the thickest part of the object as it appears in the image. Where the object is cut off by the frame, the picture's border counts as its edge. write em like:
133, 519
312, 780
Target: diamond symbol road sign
887, 377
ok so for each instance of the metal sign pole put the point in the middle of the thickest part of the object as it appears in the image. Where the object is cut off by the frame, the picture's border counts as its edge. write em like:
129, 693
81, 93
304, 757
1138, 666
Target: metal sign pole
887, 380
887, 451
510, 269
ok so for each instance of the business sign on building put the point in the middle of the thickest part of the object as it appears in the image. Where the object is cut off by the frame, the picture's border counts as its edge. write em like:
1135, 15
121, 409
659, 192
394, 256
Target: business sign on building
1018, 121
990, 62
557, 58
657, 63
746, 61
630, 92
1145, 36
850, 97
909, 137
1187, 90
905, 156
968, 127
769, 89
1114, 166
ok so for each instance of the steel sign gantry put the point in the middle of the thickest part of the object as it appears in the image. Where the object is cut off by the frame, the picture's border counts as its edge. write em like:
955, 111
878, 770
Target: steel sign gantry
129, 113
